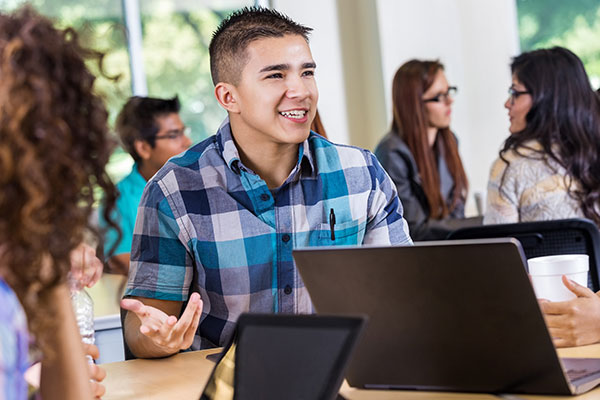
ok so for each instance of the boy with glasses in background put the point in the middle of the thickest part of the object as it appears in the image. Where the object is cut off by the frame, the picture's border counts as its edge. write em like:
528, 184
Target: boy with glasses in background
151, 131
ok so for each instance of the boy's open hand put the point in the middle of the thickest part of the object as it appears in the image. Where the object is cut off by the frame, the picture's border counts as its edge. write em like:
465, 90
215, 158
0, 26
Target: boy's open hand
166, 331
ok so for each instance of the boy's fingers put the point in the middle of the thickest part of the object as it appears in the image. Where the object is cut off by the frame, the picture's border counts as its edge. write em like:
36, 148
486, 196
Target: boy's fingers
132, 305
188, 337
153, 331
187, 317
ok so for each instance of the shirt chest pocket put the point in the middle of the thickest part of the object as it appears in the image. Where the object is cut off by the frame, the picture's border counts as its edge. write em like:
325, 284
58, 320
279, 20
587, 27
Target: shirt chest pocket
342, 234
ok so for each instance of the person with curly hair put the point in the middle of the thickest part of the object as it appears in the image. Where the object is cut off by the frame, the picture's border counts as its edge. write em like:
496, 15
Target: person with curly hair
549, 168
54, 146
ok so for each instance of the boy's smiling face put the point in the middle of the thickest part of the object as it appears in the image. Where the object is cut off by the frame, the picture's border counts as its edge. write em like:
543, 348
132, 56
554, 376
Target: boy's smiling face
276, 98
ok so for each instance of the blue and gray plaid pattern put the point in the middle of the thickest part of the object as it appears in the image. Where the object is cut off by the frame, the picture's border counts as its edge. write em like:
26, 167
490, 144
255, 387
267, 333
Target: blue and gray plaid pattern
207, 223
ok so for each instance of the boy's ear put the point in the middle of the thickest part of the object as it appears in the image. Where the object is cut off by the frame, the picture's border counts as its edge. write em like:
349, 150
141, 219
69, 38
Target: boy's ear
143, 149
226, 95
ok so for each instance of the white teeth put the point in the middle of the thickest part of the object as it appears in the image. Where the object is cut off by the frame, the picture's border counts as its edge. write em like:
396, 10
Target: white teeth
293, 114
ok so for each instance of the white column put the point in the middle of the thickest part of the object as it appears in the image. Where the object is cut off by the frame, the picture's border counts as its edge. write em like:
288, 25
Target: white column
133, 22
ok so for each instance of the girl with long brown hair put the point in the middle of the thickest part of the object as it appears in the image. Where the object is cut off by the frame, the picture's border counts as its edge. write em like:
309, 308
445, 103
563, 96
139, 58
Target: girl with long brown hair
421, 153
54, 146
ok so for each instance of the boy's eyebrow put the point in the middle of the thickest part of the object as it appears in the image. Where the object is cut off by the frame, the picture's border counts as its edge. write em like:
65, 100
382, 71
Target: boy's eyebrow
285, 67
276, 67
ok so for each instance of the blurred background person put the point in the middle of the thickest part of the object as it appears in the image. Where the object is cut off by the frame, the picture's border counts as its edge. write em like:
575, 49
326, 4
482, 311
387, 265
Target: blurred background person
549, 166
54, 146
420, 153
151, 131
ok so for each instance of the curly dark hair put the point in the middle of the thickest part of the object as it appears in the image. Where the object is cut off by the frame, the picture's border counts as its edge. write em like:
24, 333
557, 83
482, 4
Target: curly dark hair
564, 118
54, 146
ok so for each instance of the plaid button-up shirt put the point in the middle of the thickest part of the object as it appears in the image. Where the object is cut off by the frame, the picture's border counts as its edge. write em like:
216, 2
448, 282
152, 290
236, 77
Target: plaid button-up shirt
207, 223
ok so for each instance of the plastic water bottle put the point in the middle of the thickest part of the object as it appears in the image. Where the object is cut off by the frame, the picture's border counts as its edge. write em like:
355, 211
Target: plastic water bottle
83, 306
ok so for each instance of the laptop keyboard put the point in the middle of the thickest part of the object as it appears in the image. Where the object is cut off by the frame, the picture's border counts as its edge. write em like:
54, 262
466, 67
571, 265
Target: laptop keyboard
575, 374
580, 368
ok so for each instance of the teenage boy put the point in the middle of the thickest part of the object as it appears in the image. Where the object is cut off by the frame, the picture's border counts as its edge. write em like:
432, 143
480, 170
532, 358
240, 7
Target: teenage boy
151, 131
217, 225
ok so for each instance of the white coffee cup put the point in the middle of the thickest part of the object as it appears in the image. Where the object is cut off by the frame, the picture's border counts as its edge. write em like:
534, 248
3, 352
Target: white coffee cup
546, 275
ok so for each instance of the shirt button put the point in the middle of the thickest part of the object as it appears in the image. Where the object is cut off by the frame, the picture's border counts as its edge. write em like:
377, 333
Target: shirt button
264, 197
286, 238
287, 289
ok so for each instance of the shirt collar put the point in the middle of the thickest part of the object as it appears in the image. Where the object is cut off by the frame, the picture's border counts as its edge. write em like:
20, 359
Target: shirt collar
136, 176
231, 154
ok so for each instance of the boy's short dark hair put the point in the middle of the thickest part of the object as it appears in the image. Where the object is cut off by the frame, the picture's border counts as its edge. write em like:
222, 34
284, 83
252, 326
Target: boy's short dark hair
137, 120
229, 42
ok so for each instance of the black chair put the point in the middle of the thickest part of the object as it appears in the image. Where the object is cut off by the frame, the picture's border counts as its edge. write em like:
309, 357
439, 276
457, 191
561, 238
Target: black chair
546, 238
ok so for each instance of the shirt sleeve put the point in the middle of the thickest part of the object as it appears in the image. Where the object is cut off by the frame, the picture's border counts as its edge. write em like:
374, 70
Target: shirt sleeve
399, 170
161, 266
126, 221
502, 194
385, 223
14, 344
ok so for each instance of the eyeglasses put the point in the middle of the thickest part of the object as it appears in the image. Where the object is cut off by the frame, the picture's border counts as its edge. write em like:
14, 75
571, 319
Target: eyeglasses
175, 133
514, 94
443, 97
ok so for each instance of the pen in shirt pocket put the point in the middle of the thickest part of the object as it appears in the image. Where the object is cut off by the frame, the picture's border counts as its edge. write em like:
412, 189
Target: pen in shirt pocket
332, 223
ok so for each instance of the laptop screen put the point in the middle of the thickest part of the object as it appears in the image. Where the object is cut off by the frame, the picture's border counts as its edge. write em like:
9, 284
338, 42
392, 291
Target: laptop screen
451, 316
285, 357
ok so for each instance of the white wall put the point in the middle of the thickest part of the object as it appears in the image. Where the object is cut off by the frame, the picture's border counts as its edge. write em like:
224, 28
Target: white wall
475, 40
321, 15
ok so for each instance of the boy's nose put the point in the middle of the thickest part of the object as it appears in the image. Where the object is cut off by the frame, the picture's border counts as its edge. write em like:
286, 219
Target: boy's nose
297, 88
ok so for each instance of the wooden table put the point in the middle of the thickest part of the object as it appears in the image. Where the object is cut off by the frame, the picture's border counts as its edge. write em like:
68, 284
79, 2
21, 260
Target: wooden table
184, 375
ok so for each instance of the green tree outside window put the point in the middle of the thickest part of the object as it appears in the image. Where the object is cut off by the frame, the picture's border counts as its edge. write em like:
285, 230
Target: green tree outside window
574, 24
175, 35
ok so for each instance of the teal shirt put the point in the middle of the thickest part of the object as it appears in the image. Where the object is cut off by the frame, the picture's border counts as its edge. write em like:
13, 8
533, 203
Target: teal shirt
130, 192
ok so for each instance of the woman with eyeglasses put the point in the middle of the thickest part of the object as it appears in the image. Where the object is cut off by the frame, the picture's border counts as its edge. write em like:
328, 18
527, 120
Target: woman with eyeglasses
549, 167
420, 153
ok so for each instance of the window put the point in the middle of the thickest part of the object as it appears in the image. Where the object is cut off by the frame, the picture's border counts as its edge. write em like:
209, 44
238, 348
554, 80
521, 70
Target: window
175, 36
574, 24
175, 43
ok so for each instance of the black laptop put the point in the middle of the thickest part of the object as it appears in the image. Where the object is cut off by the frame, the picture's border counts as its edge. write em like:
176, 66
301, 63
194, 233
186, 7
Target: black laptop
289, 357
448, 316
